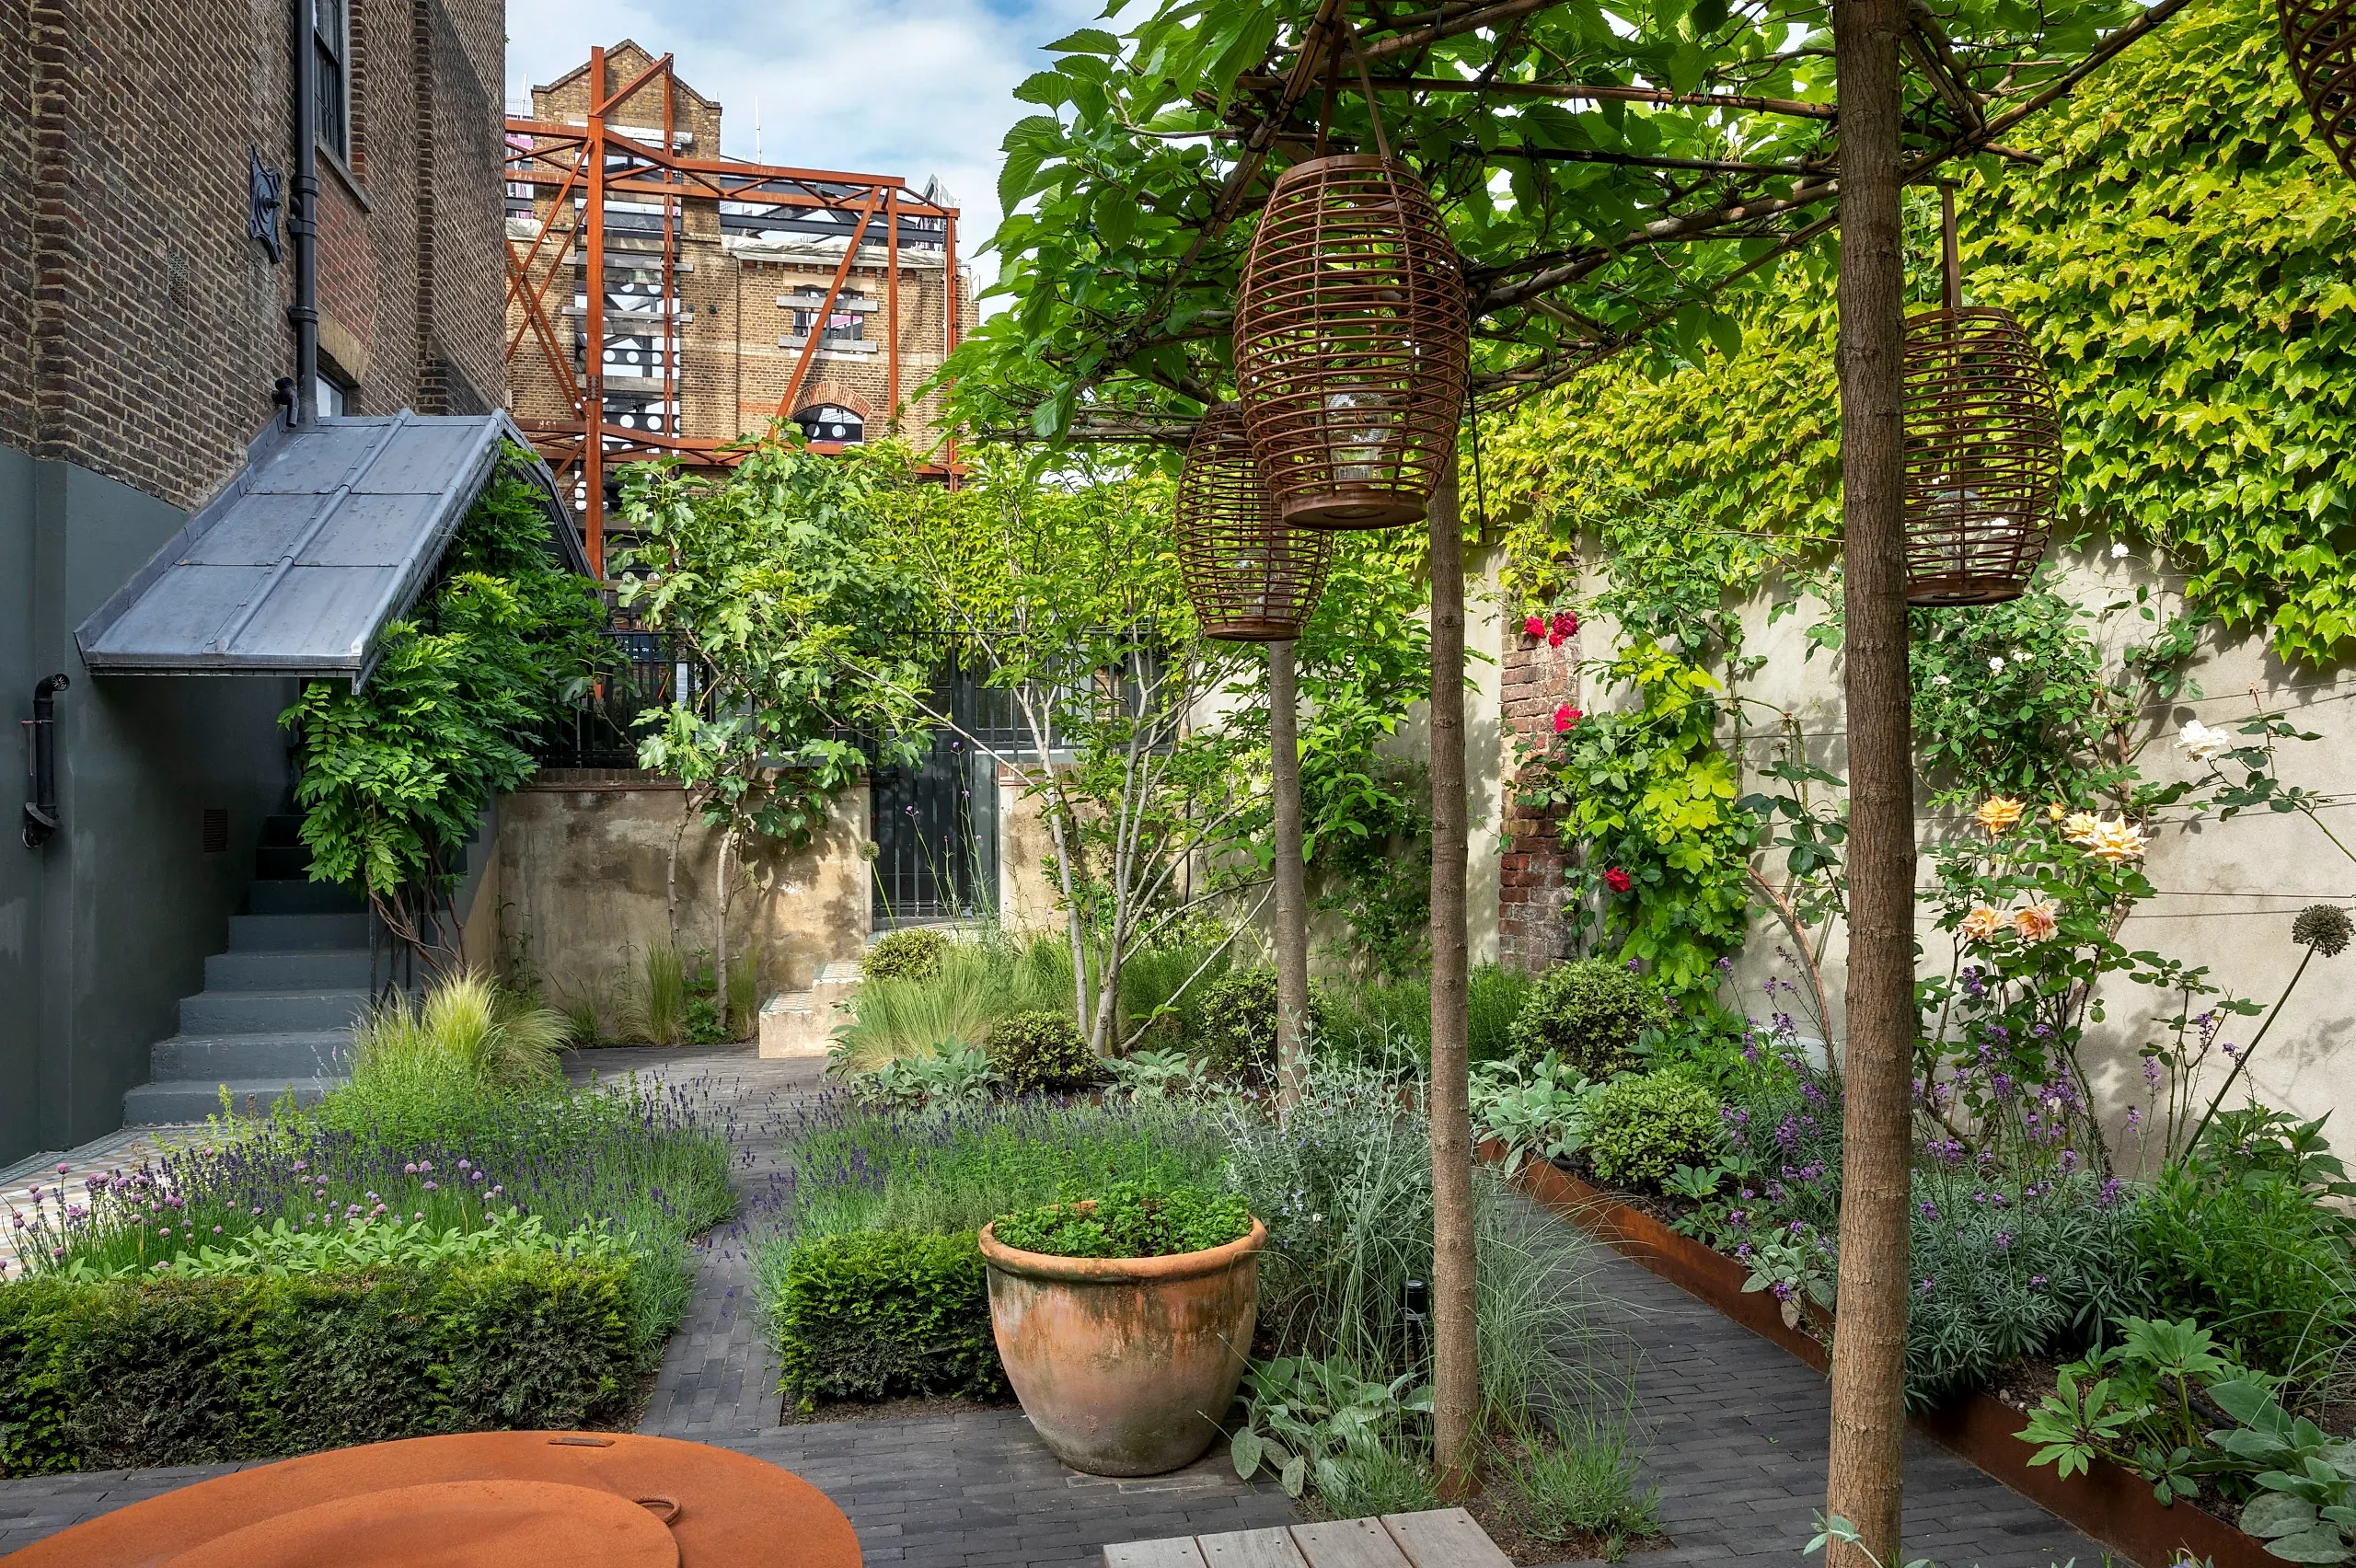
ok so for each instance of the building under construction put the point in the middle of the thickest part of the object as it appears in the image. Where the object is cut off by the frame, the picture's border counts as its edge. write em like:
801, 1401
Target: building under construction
729, 294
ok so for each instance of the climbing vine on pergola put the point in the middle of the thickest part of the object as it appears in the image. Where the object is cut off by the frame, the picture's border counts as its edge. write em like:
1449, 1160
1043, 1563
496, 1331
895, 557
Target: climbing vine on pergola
1608, 172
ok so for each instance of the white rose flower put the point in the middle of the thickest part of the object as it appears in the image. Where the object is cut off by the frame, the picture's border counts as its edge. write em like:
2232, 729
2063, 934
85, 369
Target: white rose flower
2201, 743
2119, 552
1941, 680
1996, 664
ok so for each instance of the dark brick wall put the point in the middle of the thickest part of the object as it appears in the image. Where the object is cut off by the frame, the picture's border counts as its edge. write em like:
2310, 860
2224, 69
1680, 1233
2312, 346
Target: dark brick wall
1538, 679
141, 331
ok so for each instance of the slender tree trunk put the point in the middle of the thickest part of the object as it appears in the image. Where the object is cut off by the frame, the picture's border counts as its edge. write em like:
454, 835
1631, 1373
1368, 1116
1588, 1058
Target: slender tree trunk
1292, 892
1456, 1372
719, 925
1867, 1480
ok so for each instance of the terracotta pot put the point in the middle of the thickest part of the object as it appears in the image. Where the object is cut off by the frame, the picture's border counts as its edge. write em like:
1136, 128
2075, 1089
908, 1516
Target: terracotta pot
1125, 1366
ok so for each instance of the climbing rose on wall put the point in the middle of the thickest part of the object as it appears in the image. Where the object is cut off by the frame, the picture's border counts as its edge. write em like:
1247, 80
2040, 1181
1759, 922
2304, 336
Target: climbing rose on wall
1617, 880
1980, 924
1534, 626
1566, 716
1997, 814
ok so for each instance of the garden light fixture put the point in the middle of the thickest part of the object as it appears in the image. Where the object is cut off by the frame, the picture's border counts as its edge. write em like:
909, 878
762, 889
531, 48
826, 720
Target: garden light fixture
1252, 579
1983, 449
2320, 38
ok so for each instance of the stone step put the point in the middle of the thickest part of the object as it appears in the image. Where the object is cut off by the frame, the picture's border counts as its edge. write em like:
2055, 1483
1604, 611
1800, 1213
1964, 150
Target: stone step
793, 1024
283, 933
291, 969
272, 1012
214, 1057
281, 860
192, 1099
288, 895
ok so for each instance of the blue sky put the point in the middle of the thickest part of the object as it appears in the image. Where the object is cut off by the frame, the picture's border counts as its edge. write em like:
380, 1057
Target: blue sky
911, 88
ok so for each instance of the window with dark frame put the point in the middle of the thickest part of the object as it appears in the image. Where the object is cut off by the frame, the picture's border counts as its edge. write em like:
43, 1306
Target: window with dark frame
331, 56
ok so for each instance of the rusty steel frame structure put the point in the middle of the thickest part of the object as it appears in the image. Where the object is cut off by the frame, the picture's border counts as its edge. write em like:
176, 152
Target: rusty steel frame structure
593, 163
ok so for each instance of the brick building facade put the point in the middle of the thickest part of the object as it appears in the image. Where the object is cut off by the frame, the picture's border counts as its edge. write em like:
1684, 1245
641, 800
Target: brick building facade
743, 294
143, 331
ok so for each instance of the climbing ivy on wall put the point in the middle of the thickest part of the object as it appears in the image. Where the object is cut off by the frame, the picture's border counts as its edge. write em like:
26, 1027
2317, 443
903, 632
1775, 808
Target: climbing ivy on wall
2185, 256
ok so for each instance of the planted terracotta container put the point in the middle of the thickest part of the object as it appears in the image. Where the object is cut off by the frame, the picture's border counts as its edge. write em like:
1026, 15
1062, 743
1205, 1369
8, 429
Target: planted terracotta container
1125, 1366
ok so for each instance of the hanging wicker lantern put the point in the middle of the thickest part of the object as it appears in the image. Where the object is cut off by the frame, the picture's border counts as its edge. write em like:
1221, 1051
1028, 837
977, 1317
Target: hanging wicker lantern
1983, 450
1251, 578
2320, 36
1351, 337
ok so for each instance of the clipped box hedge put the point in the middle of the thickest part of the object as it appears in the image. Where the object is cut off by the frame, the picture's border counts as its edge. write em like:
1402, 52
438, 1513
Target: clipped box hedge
115, 1373
873, 1313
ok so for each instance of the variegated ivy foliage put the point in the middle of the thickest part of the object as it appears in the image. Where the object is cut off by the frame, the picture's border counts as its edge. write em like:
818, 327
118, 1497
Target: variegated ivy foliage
1120, 304
2185, 256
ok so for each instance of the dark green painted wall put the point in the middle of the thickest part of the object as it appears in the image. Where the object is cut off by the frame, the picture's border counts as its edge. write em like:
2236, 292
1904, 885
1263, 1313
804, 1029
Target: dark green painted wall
105, 928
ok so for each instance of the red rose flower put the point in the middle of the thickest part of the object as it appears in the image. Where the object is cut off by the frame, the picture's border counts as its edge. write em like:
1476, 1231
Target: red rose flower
1617, 880
1553, 639
1566, 716
1534, 626
1565, 622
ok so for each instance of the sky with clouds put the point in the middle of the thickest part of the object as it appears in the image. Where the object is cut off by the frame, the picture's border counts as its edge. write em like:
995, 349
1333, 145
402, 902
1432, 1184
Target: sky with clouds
907, 87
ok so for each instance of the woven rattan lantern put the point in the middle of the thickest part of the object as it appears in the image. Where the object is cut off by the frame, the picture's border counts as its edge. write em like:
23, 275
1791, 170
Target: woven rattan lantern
1351, 336
2321, 38
1251, 578
1983, 450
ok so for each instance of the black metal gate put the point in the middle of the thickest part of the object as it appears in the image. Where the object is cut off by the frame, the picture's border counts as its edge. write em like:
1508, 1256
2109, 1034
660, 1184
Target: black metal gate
936, 825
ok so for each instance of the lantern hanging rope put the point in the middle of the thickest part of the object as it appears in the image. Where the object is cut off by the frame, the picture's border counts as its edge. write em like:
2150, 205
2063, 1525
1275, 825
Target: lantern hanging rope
1983, 449
2320, 36
1352, 332
1251, 578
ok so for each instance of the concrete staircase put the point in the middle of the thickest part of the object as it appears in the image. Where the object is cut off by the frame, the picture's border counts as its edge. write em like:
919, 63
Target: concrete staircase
801, 1023
277, 1008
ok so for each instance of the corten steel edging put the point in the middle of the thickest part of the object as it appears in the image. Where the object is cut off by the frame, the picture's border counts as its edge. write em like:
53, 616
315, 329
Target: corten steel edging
2113, 1505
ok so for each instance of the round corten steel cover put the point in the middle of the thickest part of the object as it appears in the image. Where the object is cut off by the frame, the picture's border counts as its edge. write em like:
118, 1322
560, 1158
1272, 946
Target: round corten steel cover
452, 1523
723, 1509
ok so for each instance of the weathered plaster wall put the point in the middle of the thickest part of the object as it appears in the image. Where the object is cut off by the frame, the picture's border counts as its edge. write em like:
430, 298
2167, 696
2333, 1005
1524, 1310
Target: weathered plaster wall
2228, 891
583, 879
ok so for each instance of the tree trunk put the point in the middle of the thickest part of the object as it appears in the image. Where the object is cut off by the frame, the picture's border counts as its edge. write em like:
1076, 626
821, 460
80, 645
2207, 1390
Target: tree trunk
719, 925
1292, 892
1866, 1479
1456, 1371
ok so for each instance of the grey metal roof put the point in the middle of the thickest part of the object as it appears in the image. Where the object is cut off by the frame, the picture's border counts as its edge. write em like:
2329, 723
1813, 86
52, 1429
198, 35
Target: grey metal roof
295, 569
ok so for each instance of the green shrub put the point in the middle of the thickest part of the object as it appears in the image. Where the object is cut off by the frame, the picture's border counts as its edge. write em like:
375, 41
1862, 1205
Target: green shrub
2256, 1260
120, 1373
1039, 1052
871, 1313
1590, 1013
1643, 1128
467, 1026
1236, 1031
1131, 1220
912, 954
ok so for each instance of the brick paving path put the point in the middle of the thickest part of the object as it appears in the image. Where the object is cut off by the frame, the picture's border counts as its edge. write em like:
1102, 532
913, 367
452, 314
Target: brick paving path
1734, 1428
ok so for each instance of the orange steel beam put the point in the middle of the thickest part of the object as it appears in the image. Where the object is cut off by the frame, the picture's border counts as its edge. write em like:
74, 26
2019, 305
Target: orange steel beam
951, 293
598, 108
731, 167
537, 322
593, 447
538, 300
826, 309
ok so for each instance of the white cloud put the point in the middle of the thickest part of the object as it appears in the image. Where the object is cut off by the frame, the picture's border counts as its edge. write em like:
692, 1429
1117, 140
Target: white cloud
907, 87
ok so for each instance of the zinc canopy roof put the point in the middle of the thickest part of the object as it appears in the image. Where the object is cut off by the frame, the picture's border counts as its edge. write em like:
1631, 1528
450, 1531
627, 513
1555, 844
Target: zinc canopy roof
331, 531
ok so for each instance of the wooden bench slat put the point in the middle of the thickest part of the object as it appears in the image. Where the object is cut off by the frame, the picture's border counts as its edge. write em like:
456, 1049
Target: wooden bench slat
1348, 1543
1445, 1538
1250, 1548
1179, 1551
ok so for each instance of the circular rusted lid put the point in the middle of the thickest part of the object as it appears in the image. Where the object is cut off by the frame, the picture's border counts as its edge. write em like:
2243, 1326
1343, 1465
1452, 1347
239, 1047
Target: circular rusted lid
451, 1524
733, 1510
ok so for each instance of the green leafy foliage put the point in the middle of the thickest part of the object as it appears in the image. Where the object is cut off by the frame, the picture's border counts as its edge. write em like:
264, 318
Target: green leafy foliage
911, 954
1590, 1013
117, 1373
956, 1075
394, 776
2005, 1269
1537, 1110
2255, 1258
1132, 1219
1641, 1128
2306, 1506
864, 1315
2134, 1402
1236, 1027
1648, 797
1035, 1053
1321, 1422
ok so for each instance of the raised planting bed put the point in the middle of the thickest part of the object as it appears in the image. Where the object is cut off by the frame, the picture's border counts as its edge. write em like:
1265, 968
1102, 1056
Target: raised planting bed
2113, 1505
